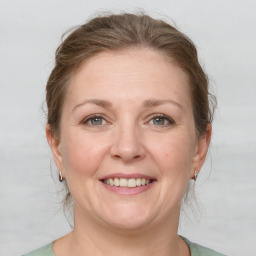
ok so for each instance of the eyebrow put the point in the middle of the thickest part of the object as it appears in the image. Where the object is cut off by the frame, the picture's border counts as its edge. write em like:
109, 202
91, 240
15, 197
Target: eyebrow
101, 103
155, 102
107, 104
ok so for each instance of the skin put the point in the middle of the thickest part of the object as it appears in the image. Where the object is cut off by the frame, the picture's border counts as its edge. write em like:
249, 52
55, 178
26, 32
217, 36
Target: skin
127, 138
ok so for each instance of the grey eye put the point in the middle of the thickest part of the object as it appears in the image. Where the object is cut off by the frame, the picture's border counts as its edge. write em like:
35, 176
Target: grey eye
96, 121
159, 120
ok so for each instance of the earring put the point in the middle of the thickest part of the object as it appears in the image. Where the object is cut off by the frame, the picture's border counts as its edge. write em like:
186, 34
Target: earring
195, 177
60, 177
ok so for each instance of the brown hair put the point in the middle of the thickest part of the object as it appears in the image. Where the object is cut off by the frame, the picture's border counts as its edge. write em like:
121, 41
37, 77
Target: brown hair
118, 32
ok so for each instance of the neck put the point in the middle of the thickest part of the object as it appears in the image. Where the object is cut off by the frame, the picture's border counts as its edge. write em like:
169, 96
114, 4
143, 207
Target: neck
90, 237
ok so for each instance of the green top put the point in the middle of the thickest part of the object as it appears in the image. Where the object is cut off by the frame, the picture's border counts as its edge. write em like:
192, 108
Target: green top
195, 249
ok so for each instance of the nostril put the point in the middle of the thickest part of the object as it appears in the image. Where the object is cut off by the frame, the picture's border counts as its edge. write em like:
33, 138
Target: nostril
127, 145
128, 156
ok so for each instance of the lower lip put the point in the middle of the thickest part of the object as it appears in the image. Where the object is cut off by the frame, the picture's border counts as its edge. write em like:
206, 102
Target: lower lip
128, 191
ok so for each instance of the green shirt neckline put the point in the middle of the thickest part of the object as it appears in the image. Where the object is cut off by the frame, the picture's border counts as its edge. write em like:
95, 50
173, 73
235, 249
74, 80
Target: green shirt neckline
195, 250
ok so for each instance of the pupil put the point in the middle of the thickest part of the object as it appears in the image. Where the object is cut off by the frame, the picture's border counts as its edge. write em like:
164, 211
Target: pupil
159, 120
96, 121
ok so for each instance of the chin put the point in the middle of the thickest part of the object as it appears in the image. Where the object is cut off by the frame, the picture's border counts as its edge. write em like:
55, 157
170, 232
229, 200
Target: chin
130, 224
128, 218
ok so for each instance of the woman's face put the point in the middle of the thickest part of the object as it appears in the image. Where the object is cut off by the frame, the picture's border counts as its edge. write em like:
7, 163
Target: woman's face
127, 120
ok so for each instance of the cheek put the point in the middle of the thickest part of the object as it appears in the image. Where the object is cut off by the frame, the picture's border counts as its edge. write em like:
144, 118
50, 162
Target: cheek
82, 154
173, 154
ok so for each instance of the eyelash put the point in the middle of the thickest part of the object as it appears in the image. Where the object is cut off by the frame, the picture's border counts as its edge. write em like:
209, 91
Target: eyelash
161, 116
166, 118
85, 121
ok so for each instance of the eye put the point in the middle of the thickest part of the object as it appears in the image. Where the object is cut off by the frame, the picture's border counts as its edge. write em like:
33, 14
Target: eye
94, 120
161, 120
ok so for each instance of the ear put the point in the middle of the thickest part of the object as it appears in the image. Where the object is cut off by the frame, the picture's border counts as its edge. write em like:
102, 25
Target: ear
54, 144
201, 151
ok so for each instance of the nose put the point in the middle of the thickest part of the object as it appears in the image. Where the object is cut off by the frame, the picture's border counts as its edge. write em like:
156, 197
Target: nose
127, 144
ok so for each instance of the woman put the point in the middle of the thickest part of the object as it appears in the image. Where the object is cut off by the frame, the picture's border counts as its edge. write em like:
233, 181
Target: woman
129, 125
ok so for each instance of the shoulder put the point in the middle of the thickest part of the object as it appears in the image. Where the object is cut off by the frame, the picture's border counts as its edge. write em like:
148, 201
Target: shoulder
43, 251
198, 250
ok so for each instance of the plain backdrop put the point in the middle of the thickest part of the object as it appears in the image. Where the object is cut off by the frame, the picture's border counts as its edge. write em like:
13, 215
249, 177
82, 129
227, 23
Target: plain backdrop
225, 34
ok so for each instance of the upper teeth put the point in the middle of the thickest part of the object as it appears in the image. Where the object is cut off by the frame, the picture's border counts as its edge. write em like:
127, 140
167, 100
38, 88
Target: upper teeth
130, 183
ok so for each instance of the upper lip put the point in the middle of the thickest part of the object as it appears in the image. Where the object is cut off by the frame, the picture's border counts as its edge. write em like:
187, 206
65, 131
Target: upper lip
127, 176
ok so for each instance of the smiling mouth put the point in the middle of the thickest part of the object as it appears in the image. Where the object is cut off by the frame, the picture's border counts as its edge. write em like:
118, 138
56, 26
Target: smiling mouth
128, 183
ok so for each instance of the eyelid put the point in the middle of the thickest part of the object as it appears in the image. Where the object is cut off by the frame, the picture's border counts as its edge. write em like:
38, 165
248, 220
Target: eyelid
88, 118
158, 115
169, 119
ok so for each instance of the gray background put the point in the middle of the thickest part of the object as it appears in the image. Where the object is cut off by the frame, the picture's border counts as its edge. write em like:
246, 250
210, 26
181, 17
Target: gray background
225, 33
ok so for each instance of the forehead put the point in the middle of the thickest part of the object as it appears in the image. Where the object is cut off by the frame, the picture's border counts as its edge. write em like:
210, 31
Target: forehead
130, 73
